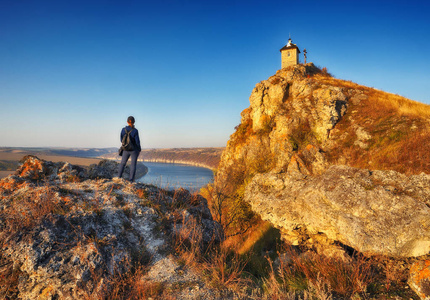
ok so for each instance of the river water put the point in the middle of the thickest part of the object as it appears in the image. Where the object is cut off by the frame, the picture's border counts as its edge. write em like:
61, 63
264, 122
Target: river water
172, 176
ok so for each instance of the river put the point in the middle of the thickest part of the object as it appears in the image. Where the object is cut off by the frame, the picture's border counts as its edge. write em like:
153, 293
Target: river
172, 176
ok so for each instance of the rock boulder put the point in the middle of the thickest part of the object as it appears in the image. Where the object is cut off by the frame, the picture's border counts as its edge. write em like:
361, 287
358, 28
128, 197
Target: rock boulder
374, 212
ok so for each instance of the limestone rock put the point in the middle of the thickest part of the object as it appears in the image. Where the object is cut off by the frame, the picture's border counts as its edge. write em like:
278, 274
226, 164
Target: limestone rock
104, 169
282, 150
296, 152
287, 112
35, 169
72, 239
379, 212
109, 169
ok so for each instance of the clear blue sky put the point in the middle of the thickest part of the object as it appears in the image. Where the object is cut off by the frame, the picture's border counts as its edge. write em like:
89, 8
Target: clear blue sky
71, 72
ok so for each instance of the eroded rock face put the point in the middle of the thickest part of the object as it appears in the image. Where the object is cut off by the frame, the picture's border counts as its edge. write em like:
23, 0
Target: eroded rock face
378, 212
288, 111
68, 239
283, 152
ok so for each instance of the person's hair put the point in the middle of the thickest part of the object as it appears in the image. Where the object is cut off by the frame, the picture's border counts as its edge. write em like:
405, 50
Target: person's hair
130, 119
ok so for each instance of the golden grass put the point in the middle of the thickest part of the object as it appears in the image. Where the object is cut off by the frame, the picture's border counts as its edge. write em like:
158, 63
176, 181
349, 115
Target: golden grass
399, 130
402, 105
30, 209
248, 241
343, 278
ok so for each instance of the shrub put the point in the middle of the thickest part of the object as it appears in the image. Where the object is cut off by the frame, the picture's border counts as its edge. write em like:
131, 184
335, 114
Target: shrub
242, 132
301, 136
325, 72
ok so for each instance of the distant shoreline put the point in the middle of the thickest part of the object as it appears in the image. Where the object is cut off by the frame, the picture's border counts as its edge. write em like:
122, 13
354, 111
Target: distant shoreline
182, 162
201, 157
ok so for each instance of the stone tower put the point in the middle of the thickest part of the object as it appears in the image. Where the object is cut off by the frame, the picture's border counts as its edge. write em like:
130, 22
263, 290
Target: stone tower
290, 54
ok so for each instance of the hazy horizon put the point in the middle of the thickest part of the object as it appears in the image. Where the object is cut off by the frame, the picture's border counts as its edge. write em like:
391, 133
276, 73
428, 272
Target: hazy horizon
72, 72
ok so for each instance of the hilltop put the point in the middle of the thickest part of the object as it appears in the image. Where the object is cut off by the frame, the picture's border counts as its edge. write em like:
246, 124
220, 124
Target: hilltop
337, 167
71, 233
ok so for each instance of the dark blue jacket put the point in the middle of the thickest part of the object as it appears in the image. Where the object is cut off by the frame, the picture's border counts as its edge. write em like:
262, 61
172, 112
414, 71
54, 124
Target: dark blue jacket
134, 137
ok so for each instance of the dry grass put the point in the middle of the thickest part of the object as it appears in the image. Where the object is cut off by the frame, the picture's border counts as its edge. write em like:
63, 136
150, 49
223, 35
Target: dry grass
242, 132
245, 243
23, 213
399, 131
320, 275
224, 269
221, 268
9, 278
401, 105
28, 210
132, 286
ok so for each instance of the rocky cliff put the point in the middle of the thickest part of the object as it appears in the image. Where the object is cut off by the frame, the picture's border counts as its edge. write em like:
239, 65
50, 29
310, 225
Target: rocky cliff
70, 233
316, 144
332, 163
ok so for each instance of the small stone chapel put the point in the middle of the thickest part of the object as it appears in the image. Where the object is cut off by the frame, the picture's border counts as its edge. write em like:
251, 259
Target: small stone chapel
289, 54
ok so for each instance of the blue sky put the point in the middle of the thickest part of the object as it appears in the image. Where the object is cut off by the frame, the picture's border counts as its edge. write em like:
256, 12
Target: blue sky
71, 72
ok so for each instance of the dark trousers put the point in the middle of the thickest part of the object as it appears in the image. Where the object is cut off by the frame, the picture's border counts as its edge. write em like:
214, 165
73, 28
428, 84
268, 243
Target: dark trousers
125, 156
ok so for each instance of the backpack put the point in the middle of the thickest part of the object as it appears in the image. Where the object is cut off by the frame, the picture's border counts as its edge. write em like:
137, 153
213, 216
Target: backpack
127, 142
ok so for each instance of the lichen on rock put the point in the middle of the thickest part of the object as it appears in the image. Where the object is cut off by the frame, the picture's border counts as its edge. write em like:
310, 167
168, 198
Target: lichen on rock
72, 239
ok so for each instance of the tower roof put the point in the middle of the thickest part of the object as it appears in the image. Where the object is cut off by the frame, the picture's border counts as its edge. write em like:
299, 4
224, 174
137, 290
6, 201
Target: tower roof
290, 45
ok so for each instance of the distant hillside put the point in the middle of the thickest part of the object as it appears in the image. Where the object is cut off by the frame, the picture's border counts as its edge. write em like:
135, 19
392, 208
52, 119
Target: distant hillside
205, 157
74, 152
80, 152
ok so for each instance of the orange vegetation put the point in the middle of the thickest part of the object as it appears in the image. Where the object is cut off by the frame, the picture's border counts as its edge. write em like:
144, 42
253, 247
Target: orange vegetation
399, 131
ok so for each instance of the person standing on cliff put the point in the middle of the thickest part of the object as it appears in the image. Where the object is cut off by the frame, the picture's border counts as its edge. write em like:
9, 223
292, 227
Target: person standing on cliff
134, 154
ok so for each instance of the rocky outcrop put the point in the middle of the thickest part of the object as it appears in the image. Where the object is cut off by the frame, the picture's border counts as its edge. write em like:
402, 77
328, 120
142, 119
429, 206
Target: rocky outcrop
294, 154
109, 169
374, 212
288, 112
36, 169
64, 236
